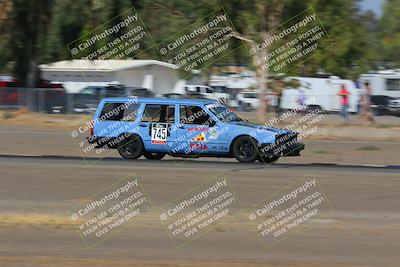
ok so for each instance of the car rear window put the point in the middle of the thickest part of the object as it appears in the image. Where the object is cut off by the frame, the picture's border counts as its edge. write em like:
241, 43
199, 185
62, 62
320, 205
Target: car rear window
119, 111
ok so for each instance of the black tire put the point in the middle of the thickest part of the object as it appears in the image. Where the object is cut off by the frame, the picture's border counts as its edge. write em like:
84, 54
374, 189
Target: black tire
377, 112
244, 149
153, 156
268, 159
314, 108
132, 148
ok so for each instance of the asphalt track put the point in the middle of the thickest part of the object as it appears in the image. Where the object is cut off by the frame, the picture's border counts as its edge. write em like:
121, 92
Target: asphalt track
179, 163
362, 230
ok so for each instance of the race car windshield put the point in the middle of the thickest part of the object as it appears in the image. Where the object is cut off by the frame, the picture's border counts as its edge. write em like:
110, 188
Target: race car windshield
223, 113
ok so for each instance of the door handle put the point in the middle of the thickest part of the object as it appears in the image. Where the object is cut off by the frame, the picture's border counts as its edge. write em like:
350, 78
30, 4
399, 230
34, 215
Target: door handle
142, 125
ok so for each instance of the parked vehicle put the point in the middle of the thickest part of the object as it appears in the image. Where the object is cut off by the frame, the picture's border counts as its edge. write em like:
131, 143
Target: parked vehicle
207, 92
88, 98
319, 93
138, 92
385, 105
242, 80
384, 83
10, 96
195, 95
155, 127
45, 97
173, 95
248, 100
394, 106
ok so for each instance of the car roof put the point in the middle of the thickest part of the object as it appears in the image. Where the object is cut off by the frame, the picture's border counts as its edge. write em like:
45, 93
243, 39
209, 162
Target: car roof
161, 100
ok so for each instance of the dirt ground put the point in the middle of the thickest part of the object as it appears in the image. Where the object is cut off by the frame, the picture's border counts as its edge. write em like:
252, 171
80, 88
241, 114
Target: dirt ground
361, 230
330, 127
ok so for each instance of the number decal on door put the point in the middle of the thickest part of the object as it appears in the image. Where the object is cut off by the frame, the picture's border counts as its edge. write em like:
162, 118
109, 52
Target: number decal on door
159, 133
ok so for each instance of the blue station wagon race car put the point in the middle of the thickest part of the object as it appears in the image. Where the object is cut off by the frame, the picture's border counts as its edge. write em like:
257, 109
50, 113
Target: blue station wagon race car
155, 127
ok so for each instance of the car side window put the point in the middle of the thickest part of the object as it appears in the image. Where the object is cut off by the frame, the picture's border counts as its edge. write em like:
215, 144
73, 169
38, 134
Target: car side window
112, 112
159, 113
130, 112
194, 115
88, 91
113, 92
119, 111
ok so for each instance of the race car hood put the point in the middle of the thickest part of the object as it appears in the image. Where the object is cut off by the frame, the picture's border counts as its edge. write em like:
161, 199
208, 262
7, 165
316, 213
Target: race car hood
261, 128
261, 133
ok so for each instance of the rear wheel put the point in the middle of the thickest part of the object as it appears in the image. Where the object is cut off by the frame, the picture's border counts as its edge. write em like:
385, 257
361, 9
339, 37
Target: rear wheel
244, 149
153, 156
132, 148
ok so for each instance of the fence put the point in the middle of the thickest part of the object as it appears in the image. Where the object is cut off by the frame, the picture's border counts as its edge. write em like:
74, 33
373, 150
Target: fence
56, 100
43, 100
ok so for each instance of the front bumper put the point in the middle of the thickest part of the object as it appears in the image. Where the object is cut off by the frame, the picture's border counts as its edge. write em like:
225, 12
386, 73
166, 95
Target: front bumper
285, 145
394, 109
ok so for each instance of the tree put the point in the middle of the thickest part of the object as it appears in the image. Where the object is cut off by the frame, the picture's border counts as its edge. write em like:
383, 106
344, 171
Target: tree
28, 24
389, 26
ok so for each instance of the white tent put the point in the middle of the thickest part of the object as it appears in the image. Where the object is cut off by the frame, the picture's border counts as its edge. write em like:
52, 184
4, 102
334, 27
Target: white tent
158, 76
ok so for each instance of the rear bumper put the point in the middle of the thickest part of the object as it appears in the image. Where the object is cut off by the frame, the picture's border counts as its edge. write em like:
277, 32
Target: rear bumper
103, 142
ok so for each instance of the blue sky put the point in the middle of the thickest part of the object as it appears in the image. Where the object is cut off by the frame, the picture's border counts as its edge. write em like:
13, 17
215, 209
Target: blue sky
374, 5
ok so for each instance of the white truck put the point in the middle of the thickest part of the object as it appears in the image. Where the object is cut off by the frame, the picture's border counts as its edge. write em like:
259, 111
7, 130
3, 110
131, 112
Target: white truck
207, 92
385, 82
320, 93
385, 94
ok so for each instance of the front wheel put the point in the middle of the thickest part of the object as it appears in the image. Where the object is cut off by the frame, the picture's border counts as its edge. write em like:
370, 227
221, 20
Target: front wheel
153, 156
132, 148
245, 149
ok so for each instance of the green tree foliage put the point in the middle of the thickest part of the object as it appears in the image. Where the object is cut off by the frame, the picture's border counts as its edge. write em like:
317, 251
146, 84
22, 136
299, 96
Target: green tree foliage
390, 33
38, 31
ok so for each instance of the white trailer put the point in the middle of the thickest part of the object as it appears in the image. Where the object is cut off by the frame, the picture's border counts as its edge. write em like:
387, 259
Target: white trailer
320, 93
385, 82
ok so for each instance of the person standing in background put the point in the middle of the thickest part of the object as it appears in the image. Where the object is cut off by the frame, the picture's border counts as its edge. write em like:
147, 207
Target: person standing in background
301, 100
344, 102
366, 104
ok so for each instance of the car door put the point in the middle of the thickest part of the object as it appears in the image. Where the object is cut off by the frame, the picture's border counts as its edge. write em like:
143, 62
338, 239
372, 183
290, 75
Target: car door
196, 132
155, 127
116, 121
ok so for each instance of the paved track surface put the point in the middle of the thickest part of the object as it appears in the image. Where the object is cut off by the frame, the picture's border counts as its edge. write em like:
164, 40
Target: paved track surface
362, 230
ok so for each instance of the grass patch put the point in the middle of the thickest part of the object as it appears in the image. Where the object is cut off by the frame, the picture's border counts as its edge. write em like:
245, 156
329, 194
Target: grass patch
368, 148
8, 115
384, 126
321, 152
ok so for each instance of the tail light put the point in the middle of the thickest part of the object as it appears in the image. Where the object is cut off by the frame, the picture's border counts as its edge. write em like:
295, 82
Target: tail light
92, 130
